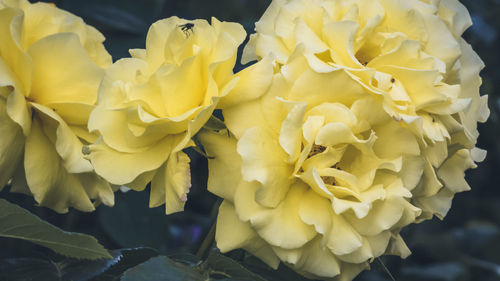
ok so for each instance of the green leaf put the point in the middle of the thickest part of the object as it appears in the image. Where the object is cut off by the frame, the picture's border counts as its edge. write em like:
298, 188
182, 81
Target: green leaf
185, 258
162, 269
128, 259
20, 269
218, 263
16, 222
27, 269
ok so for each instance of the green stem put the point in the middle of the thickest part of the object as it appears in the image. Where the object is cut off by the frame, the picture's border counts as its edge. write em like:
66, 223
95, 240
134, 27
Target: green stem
209, 239
386, 269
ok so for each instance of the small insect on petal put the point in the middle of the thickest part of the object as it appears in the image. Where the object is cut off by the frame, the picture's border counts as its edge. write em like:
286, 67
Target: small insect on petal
186, 28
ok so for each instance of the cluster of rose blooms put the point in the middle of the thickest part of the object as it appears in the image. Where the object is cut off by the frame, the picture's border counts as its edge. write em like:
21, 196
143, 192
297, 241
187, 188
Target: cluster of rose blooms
358, 118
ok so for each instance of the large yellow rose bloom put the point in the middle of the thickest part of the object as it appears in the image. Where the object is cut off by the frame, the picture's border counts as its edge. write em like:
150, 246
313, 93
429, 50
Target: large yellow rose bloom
320, 180
152, 104
410, 56
368, 125
51, 64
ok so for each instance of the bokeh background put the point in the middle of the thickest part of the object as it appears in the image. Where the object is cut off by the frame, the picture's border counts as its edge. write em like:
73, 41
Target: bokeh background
464, 246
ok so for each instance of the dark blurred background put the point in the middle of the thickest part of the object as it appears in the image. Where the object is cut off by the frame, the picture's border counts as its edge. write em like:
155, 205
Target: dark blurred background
465, 246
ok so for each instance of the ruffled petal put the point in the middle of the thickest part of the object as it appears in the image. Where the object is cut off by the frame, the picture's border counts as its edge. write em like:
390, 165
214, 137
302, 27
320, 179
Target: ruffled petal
120, 167
48, 180
264, 161
171, 184
253, 82
68, 146
231, 233
11, 146
225, 168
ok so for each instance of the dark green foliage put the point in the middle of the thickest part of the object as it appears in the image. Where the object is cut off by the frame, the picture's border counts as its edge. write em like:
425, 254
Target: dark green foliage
162, 269
24, 269
16, 222
128, 258
225, 266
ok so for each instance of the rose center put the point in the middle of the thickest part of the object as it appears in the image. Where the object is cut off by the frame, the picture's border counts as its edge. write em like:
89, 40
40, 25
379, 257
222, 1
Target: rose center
316, 149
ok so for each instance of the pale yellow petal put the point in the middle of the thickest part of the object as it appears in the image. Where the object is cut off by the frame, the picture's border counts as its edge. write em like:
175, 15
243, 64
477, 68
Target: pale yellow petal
172, 183
340, 39
261, 249
244, 201
72, 75
263, 160
412, 171
17, 109
267, 112
334, 113
19, 183
249, 53
317, 211
313, 258
316, 88
11, 145
312, 178
73, 113
336, 133
48, 180
456, 16
382, 216
311, 127
290, 138
273, 225
181, 97
452, 171
113, 126
306, 36
441, 42
121, 168
68, 146
231, 233
157, 36
437, 205
253, 82
394, 141
398, 247
471, 65
407, 20
10, 49
224, 163
270, 45
97, 188
342, 238
351, 270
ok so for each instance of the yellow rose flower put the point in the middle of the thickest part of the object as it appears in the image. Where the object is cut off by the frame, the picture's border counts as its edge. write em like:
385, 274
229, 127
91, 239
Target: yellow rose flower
412, 59
151, 105
320, 177
51, 64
